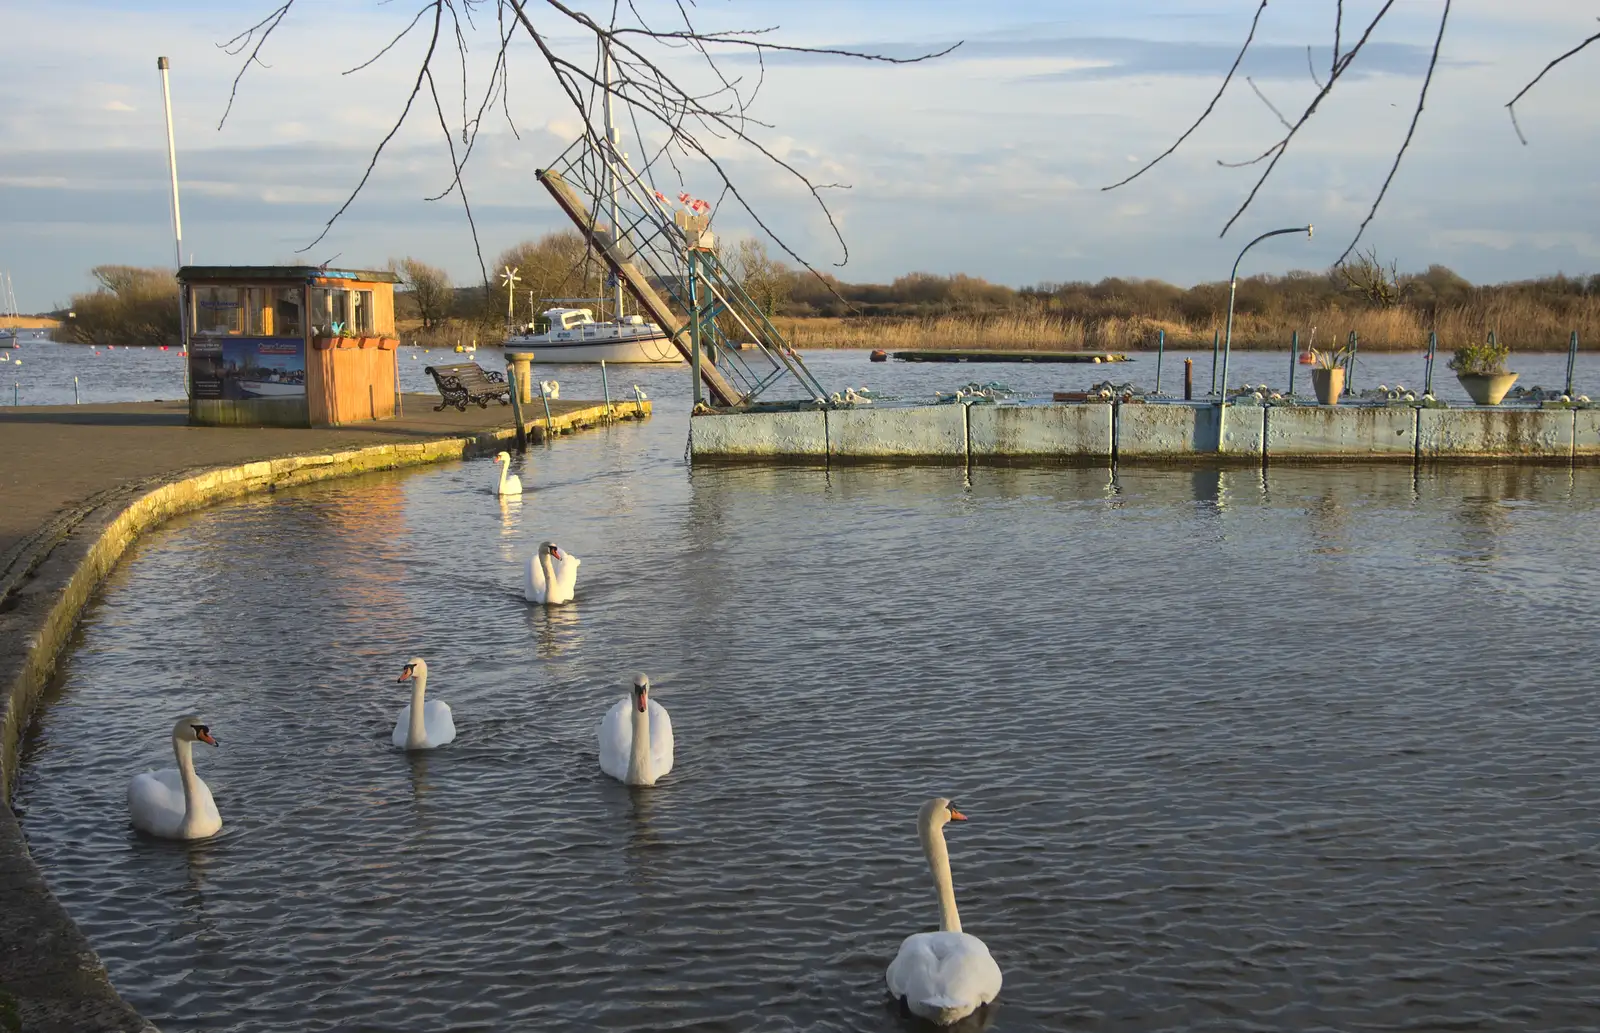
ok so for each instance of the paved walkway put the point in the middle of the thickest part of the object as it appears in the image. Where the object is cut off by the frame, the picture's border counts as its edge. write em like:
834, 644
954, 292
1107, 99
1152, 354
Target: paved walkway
55, 456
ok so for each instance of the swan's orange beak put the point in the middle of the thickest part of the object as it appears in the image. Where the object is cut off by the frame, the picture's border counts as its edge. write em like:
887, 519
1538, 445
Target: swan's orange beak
643, 699
204, 735
956, 815
405, 675
555, 552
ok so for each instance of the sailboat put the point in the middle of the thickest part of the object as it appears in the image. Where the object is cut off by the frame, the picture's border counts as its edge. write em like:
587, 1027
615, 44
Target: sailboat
9, 334
574, 335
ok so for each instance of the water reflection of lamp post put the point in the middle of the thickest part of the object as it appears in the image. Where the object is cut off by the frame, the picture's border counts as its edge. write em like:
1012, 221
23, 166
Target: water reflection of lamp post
1233, 288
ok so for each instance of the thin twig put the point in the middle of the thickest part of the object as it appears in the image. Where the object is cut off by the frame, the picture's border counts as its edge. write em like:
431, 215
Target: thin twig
1511, 104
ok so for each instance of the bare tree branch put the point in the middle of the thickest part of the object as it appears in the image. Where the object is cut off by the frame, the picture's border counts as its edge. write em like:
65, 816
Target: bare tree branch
1511, 104
1209, 107
237, 44
1416, 116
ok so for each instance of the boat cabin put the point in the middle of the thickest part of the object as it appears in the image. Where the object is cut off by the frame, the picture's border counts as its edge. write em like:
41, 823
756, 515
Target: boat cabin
289, 346
568, 318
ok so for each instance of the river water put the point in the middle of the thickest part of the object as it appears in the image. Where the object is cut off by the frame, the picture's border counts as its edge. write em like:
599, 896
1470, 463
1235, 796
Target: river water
1308, 748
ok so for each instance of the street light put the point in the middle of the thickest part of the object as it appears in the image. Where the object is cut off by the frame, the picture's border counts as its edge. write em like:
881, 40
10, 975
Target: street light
1233, 288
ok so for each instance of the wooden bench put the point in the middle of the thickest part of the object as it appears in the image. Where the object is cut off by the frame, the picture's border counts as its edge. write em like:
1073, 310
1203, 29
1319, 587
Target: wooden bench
469, 382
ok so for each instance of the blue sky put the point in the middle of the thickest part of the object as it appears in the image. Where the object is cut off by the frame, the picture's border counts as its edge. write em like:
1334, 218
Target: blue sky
988, 161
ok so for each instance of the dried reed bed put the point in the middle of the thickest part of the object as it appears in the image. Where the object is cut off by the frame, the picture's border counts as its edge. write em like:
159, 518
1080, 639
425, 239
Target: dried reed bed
1521, 323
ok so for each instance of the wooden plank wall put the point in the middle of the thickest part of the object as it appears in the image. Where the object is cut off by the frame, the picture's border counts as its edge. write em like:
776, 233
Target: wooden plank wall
350, 385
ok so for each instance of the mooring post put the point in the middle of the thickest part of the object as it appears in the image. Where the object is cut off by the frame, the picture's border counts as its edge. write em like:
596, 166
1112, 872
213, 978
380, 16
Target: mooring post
1216, 347
694, 331
1294, 360
1161, 347
1188, 379
15, 390
1355, 346
516, 409
605, 386
638, 399
549, 424
1427, 372
75, 384
1572, 360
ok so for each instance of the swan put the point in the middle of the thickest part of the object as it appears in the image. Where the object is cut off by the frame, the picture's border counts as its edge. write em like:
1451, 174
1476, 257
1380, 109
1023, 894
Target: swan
552, 575
944, 976
551, 389
636, 738
422, 726
175, 803
510, 483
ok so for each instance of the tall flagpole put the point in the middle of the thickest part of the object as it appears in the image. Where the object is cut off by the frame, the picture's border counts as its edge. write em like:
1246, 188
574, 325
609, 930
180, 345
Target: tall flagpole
177, 218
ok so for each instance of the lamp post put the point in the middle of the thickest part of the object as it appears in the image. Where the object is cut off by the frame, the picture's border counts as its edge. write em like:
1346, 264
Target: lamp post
1227, 344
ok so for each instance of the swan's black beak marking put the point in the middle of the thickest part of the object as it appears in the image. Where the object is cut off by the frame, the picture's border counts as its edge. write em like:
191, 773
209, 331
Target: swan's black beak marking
203, 733
405, 675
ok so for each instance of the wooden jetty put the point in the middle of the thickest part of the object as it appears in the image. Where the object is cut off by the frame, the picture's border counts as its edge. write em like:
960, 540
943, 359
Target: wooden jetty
989, 355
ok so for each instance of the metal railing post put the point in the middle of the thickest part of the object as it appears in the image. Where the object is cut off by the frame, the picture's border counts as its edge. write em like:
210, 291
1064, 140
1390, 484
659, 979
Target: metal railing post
1294, 360
1161, 347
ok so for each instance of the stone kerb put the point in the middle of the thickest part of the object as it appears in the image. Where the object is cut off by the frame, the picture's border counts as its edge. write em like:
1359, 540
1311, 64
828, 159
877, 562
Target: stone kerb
1064, 433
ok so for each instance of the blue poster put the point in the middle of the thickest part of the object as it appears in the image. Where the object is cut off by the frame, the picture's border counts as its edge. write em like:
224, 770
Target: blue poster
240, 368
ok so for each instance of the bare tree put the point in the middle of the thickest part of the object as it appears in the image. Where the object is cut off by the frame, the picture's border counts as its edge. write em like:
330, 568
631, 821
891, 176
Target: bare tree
430, 288
1369, 279
1342, 60
768, 282
655, 99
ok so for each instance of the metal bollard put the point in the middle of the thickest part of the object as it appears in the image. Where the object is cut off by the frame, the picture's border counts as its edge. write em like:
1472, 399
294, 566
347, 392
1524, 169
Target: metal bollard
1188, 379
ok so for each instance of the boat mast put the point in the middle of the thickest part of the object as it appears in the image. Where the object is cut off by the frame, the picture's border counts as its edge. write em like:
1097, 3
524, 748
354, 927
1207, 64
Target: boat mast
612, 140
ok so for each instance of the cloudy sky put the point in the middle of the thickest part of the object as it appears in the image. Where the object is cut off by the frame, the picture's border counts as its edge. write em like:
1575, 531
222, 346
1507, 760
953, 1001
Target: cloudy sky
988, 161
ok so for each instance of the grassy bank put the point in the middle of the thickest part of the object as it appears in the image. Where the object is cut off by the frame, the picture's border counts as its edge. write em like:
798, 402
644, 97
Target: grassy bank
1523, 326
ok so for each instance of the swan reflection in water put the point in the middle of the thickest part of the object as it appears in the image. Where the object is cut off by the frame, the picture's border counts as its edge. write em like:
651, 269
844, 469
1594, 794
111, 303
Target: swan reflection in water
510, 527
420, 786
556, 629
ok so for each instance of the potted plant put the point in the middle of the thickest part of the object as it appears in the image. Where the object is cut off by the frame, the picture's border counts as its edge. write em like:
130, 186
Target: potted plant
1481, 368
1327, 373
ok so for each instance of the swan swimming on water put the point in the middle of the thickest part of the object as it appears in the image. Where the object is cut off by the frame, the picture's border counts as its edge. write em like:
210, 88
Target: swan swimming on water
510, 483
175, 803
944, 976
636, 738
552, 575
422, 725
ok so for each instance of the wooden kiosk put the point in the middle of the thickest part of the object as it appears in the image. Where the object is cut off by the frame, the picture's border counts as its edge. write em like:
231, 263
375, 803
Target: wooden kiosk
289, 346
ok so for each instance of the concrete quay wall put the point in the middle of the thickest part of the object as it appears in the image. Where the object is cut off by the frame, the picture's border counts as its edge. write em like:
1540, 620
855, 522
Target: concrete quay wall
1098, 433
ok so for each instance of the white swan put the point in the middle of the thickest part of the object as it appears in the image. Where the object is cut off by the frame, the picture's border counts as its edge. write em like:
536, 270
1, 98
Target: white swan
422, 726
551, 389
552, 575
174, 803
944, 976
510, 483
636, 738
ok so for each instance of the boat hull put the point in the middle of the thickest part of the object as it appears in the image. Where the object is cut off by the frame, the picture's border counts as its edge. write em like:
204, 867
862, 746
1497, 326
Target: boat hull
642, 349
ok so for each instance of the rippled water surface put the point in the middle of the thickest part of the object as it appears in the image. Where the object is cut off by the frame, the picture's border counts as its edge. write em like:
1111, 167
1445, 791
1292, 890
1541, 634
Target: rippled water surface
1313, 749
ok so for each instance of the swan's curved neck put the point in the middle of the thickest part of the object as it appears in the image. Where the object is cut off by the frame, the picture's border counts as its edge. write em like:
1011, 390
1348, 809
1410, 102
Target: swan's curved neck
417, 735
183, 749
505, 469
939, 863
548, 566
640, 772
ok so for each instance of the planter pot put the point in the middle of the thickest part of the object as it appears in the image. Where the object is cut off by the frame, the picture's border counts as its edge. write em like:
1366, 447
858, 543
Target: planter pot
366, 342
1487, 388
322, 344
1329, 384
388, 344
348, 342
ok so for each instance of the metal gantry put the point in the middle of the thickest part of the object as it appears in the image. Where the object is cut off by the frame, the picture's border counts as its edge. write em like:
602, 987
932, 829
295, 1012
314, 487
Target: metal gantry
663, 257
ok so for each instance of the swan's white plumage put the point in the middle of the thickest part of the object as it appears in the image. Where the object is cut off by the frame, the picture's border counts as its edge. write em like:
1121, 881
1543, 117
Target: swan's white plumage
509, 483
944, 977
616, 739
438, 725
157, 803
437, 721
537, 588
947, 975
